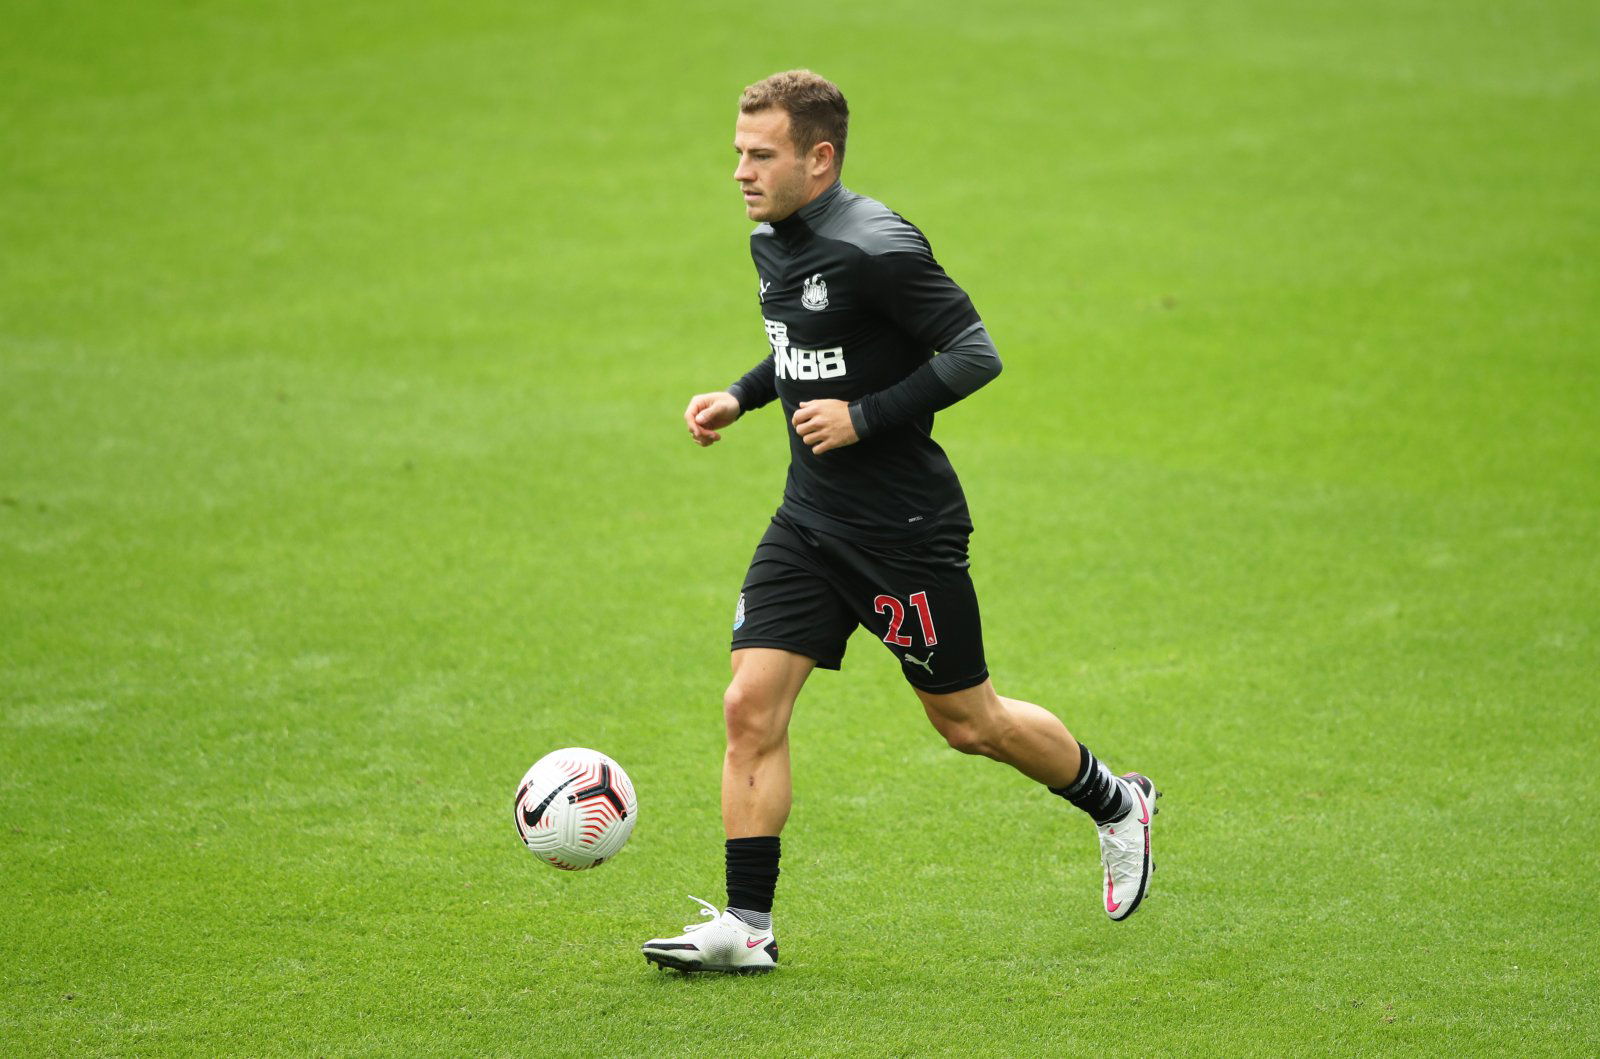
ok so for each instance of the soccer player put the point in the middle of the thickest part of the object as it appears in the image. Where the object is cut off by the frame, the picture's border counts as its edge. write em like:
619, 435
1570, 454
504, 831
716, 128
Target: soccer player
873, 526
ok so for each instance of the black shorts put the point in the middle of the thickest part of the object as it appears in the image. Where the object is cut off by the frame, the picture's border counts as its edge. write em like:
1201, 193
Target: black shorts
806, 591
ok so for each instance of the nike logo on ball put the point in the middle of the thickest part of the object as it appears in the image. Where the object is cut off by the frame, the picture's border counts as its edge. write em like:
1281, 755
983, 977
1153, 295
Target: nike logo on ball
532, 819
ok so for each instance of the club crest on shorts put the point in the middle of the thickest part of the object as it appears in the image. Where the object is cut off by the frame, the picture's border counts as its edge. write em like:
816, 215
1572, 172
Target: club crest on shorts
814, 293
738, 614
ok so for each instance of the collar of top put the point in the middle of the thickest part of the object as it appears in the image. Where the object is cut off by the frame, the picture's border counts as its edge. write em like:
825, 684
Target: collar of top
798, 223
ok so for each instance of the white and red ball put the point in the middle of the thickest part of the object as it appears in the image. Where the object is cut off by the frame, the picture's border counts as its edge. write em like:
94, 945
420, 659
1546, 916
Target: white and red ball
575, 808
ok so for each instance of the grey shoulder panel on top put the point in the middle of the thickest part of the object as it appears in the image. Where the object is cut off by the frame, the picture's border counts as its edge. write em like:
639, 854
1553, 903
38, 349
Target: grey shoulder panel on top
869, 225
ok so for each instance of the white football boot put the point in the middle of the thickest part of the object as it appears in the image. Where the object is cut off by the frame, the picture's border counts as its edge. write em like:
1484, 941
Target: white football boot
1125, 849
723, 943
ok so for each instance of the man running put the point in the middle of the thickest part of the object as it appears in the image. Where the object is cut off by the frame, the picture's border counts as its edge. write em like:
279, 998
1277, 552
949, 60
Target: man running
873, 526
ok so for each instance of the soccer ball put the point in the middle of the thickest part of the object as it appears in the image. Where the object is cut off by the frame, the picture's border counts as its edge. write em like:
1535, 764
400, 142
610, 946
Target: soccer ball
575, 808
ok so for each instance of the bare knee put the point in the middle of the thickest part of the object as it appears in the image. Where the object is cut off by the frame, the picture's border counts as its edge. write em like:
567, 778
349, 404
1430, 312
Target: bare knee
753, 718
974, 720
965, 738
971, 737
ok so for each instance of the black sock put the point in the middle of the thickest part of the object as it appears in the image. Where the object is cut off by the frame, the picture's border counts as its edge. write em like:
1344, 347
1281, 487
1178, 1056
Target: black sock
1096, 791
752, 877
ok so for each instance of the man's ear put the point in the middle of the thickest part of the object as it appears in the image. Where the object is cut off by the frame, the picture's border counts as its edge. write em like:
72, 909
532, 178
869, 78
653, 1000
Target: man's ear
821, 158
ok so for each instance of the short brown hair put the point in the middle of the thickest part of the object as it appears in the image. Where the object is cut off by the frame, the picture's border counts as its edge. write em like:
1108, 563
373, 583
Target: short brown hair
817, 110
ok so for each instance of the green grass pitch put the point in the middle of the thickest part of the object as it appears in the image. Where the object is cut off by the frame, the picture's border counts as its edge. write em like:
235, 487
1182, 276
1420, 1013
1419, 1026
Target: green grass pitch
342, 354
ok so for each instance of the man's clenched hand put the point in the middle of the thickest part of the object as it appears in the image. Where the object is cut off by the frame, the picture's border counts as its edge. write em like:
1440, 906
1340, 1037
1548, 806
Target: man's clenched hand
825, 425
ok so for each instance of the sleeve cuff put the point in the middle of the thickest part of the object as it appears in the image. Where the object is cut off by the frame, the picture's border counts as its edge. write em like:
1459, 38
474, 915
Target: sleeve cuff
858, 419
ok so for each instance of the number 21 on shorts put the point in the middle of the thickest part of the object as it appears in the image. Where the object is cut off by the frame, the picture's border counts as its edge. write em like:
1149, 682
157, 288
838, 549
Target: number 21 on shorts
897, 616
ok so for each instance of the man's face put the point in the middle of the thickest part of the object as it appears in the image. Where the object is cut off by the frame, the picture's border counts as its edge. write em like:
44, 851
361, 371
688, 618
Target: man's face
771, 173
